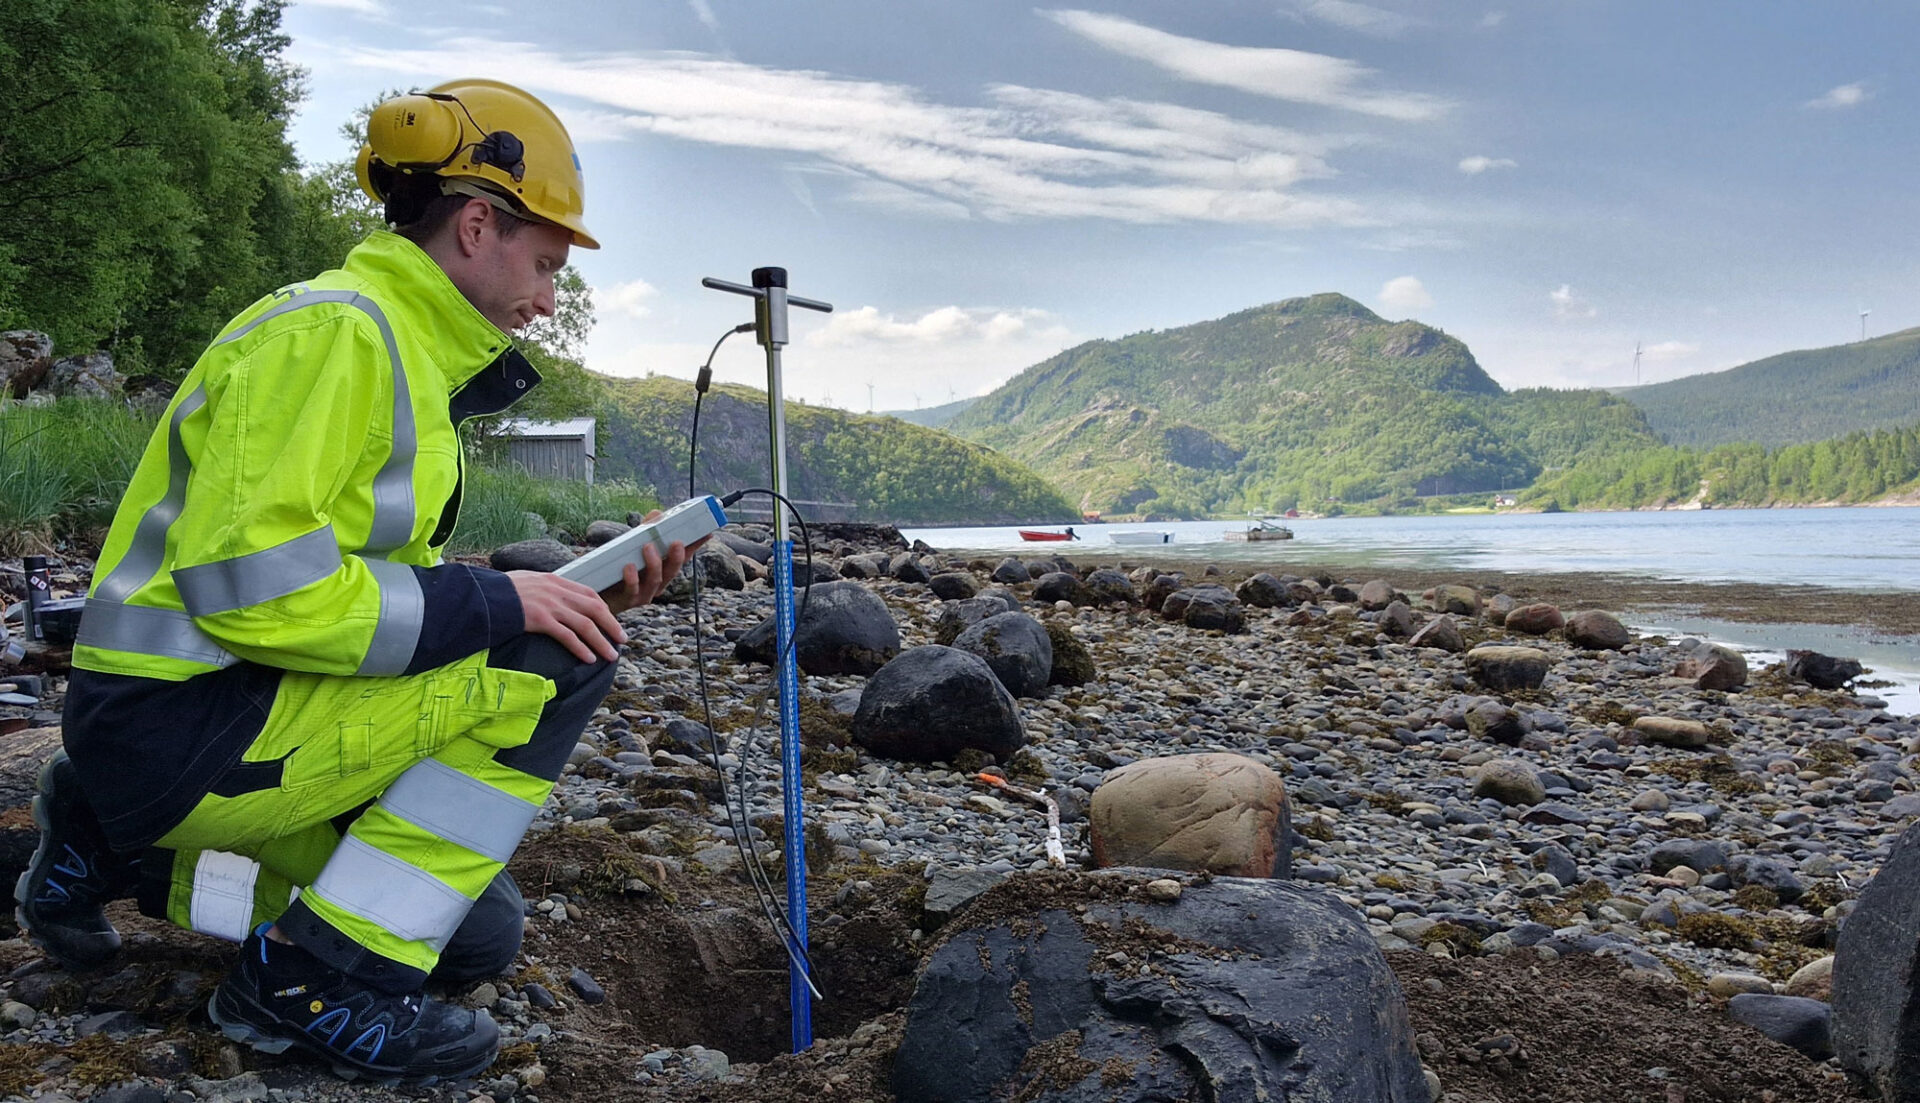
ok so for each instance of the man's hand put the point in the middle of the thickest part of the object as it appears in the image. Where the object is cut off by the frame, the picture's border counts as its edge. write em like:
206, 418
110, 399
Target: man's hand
639, 587
572, 614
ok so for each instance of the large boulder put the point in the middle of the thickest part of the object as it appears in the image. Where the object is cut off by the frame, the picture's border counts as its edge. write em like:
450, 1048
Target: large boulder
1713, 666
1822, 671
1011, 570
933, 702
540, 554
1062, 586
1504, 669
1221, 813
1377, 595
1262, 591
1440, 632
1673, 731
1509, 781
1295, 1001
25, 357
720, 568
1535, 620
1876, 978
1016, 649
1159, 588
1596, 631
1211, 608
1396, 619
844, 628
1072, 662
958, 616
907, 567
1176, 604
1460, 600
953, 585
740, 545
1110, 587
89, 375
865, 565
1804, 1024
600, 532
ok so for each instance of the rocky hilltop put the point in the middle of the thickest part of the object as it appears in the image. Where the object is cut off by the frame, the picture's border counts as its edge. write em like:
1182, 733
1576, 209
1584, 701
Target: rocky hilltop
1285, 404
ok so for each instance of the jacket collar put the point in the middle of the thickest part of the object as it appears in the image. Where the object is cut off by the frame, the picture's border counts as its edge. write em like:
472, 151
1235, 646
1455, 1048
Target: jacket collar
462, 339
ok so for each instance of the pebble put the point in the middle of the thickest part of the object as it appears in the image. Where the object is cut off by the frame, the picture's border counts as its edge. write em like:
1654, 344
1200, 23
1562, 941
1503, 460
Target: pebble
586, 987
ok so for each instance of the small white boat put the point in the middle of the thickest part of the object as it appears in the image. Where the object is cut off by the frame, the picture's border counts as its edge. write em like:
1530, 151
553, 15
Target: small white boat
1262, 530
1140, 536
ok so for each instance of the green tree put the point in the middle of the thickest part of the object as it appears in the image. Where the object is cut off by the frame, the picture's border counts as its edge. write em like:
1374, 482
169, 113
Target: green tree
147, 187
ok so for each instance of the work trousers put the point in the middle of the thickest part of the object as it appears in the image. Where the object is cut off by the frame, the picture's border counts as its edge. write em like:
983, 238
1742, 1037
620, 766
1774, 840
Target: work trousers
370, 814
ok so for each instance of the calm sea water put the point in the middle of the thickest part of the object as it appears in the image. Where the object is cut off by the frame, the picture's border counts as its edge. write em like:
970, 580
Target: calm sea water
1864, 549
1858, 549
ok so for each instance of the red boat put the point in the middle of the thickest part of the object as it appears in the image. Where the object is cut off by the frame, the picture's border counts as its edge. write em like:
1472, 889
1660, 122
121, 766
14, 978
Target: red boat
1039, 534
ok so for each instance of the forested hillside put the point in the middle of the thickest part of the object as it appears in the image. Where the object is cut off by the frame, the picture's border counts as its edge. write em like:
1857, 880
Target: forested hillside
887, 469
1792, 398
1859, 467
150, 190
1294, 403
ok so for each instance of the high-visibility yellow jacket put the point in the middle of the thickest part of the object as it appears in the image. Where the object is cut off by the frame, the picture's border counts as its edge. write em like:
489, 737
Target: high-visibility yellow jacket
288, 514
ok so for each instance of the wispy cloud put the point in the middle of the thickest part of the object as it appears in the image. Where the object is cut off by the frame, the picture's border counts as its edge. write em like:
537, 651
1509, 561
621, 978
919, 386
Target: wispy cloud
1293, 75
1847, 95
942, 326
1569, 306
630, 299
703, 11
1362, 18
1493, 19
1477, 164
1404, 293
1026, 153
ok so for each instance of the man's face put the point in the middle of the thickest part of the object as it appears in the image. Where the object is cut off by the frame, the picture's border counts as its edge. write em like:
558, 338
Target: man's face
512, 279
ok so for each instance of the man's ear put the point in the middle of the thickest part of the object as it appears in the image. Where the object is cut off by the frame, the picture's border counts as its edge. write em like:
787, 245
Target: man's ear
470, 223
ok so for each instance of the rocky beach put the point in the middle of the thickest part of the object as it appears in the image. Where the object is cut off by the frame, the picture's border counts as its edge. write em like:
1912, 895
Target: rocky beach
1600, 866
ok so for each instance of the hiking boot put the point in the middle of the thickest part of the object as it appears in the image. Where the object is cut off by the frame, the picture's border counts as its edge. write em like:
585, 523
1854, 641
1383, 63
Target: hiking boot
279, 995
73, 873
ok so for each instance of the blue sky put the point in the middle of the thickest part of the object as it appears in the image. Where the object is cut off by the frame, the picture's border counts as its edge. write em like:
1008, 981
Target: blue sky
976, 185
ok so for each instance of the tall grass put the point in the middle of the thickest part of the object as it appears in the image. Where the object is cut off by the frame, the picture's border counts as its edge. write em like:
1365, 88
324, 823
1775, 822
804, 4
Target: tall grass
65, 464
500, 496
63, 467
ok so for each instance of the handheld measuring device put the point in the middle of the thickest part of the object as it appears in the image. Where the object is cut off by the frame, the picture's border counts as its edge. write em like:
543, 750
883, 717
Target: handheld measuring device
689, 521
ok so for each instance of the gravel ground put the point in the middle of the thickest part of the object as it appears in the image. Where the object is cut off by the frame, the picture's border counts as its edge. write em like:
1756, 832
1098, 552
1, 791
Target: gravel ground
1805, 789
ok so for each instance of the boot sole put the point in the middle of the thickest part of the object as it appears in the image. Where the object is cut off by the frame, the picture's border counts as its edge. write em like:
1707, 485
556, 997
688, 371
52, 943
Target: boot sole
44, 822
246, 1033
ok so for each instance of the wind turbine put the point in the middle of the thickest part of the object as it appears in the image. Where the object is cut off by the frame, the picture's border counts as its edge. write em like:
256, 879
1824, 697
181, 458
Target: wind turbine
1863, 322
1636, 363
869, 397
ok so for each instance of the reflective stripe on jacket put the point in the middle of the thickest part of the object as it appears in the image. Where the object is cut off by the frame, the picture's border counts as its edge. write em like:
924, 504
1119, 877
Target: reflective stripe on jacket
291, 506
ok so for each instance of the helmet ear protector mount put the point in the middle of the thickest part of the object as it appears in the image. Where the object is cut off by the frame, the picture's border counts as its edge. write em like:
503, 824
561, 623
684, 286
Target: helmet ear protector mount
420, 133
476, 137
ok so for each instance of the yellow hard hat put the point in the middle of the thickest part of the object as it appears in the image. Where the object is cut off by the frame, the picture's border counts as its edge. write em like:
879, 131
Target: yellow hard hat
484, 133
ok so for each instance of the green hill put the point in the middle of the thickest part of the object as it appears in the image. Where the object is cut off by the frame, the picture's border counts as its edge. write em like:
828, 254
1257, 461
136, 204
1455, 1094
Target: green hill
933, 417
889, 470
1292, 403
1792, 398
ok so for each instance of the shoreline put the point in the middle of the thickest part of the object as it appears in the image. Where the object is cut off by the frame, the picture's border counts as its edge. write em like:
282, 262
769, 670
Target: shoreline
1888, 611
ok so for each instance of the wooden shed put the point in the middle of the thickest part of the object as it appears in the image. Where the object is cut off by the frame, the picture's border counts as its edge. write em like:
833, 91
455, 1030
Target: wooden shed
552, 449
